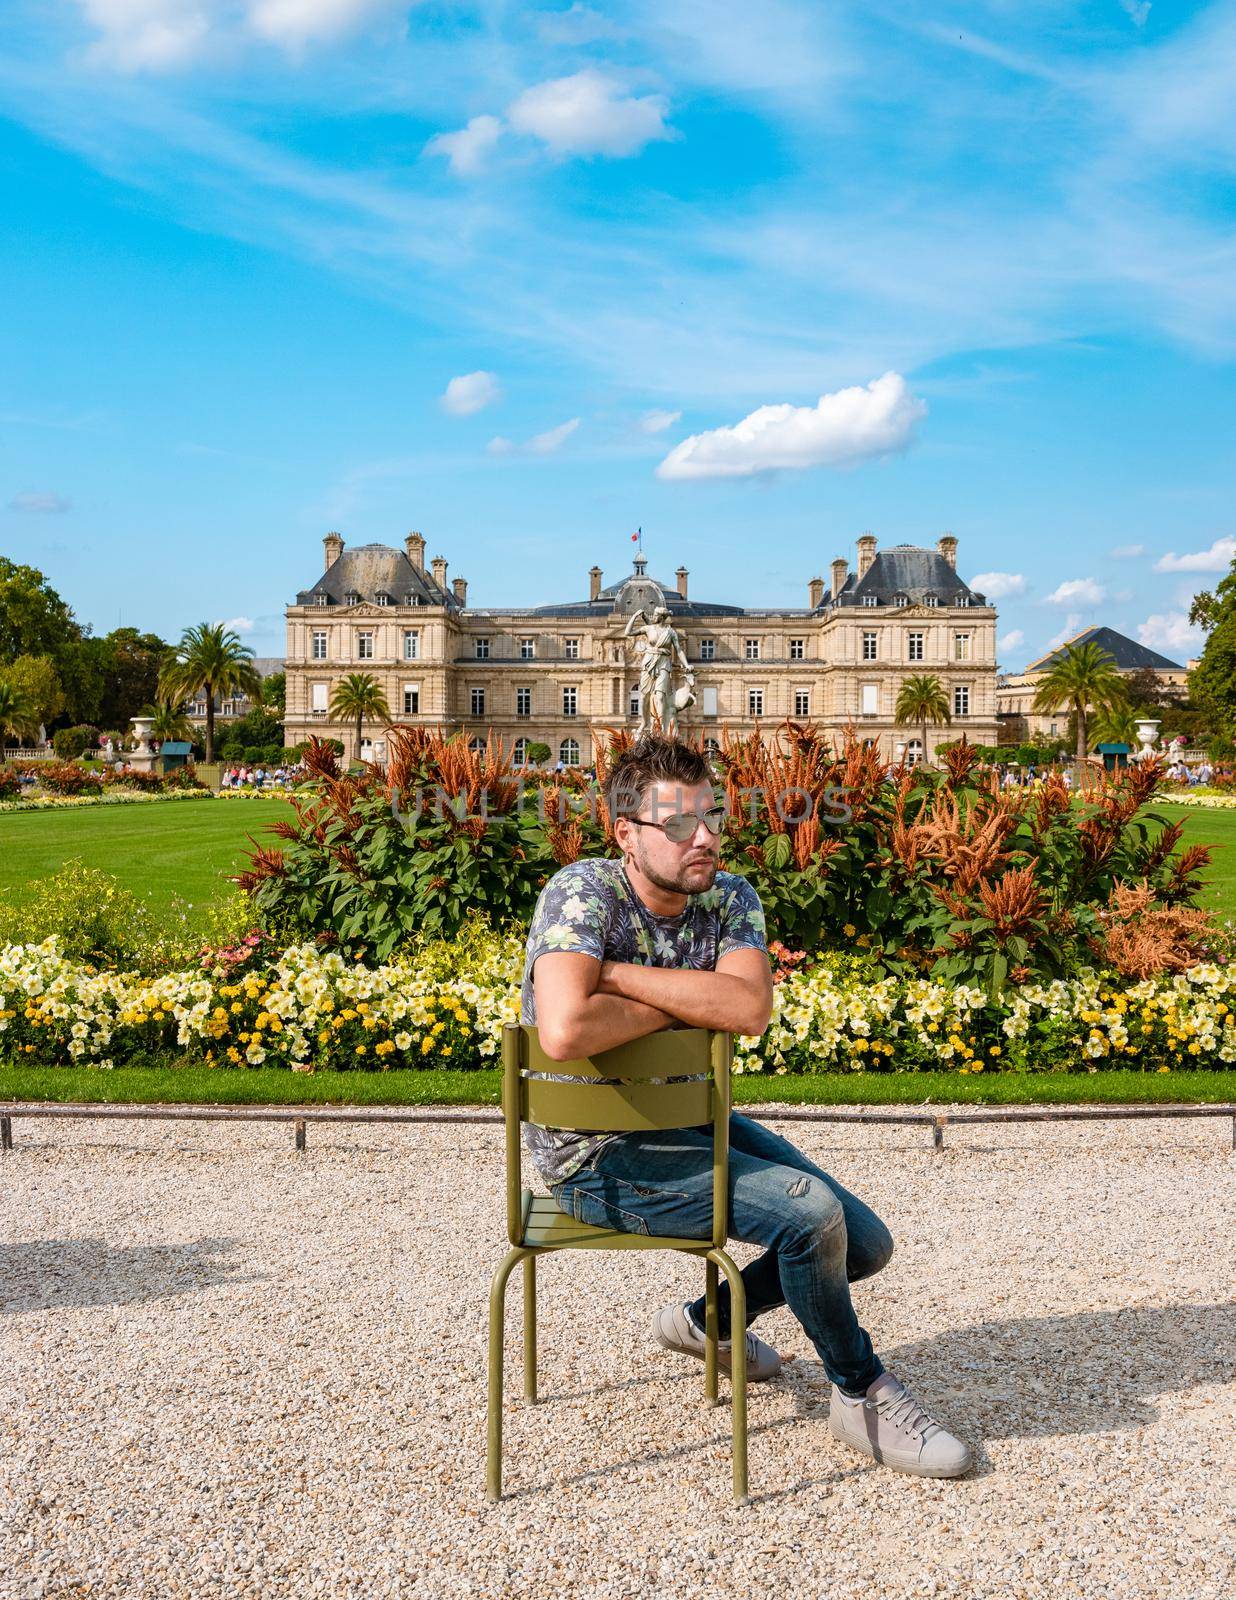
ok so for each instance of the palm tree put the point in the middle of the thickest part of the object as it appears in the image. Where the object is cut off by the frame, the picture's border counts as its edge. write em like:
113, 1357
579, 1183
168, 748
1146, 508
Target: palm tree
1084, 675
209, 660
168, 720
359, 695
1115, 724
920, 700
18, 718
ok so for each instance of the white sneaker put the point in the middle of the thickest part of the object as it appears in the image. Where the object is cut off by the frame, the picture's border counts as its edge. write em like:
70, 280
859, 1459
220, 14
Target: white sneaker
892, 1428
673, 1329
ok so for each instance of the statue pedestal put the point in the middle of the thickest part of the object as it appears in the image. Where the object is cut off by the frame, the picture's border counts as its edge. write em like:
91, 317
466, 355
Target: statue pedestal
145, 757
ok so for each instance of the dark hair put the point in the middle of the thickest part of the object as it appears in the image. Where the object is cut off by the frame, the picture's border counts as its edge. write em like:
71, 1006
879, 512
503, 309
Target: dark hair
653, 758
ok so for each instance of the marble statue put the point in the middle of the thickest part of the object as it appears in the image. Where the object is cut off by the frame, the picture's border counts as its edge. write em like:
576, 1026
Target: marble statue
660, 652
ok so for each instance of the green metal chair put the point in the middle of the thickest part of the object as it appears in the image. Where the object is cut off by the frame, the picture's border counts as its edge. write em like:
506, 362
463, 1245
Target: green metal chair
535, 1224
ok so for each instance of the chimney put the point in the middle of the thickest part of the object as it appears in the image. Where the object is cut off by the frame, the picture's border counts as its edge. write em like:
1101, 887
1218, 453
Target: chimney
460, 586
839, 569
439, 571
334, 548
815, 593
681, 575
594, 583
414, 544
947, 546
866, 554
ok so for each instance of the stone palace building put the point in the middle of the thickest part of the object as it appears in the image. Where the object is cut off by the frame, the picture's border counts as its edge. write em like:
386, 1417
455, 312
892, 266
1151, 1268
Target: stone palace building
560, 673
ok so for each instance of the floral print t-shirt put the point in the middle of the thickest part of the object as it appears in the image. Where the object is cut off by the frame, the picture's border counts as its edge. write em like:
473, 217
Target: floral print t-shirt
591, 907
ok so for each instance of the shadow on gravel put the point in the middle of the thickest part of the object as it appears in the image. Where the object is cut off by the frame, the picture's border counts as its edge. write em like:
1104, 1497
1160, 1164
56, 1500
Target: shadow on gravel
1049, 1377
46, 1274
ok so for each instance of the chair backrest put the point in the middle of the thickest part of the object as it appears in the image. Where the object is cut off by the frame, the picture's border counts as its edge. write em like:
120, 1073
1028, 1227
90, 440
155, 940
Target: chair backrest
614, 1092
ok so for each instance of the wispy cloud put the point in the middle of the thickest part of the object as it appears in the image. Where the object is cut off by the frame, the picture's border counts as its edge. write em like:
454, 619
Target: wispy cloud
541, 444
658, 421
1077, 592
1171, 632
999, 585
40, 504
1127, 552
1008, 642
840, 430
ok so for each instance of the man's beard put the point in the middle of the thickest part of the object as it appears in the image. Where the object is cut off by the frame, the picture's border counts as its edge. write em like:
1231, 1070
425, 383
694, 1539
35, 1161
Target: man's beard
675, 885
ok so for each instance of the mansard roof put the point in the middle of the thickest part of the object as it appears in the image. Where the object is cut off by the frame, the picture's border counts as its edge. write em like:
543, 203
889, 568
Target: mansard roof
638, 592
1128, 655
370, 570
909, 570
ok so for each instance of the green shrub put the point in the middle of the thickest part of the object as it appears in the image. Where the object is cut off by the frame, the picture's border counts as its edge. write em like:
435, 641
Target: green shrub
94, 918
69, 743
68, 778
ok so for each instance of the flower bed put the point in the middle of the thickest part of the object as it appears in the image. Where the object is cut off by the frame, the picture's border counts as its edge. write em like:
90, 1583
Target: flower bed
444, 1005
1211, 799
128, 797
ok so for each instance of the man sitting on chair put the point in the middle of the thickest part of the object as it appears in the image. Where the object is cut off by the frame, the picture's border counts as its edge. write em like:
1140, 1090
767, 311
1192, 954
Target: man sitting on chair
662, 939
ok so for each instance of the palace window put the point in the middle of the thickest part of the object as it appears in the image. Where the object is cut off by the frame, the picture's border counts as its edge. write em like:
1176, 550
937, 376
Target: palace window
755, 702
961, 647
382, 599
570, 649
708, 649
317, 697
411, 644
351, 598
871, 599
527, 649
568, 753
477, 746
931, 599
962, 600
318, 650
870, 646
751, 649
570, 702
482, 649
478, 702
901, 599
961, 699
523, 702
870, 705
519, 755
321, 599
708, 700
798, 649
411, 699
634, 702
802, 702
914, 646
364, 646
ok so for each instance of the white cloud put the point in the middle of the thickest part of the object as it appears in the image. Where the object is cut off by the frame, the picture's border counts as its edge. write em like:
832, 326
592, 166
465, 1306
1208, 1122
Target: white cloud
579, 24
1008, 642
541, 444
998, 585
544, 444
467, 149
588, 114
1171, 632
1127, 552
238, 624
296, 23
469, 393
1217, 558
44, 504
844, 428
1077, 592
156, 34
658, 421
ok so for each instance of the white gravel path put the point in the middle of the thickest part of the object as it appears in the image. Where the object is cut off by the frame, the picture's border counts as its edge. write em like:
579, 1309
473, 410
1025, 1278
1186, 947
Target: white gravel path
229, 1371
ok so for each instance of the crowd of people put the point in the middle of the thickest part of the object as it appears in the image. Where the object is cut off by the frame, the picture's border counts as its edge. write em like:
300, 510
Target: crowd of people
239, 776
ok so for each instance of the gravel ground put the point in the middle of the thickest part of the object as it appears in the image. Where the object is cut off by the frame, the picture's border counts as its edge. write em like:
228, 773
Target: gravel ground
229, 1371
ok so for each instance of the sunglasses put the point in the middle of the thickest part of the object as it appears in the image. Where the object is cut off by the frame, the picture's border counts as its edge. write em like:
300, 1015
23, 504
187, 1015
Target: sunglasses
680, 828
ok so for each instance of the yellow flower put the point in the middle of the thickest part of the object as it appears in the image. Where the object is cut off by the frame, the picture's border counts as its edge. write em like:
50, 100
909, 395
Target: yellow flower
361, 1048
849, 930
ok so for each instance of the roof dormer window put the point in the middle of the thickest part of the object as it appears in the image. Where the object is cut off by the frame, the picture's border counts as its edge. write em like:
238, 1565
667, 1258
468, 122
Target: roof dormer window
321, 599
351, 598
931, 599
382, 599
871, 599
963, 600
901, 599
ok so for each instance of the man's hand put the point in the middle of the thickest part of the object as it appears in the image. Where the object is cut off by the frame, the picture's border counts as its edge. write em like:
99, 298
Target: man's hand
736, 998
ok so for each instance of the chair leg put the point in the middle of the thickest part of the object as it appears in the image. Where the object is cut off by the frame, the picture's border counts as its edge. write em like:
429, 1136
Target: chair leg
530, 1330
710, 1333
497, 1308
738, 1369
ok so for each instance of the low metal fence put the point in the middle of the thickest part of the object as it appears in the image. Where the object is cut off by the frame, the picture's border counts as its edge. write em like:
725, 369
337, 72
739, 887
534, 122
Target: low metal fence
301, 1116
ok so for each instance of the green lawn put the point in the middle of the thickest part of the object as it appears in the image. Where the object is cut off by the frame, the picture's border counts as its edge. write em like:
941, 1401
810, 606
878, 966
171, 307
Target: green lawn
183, 1085
157, 851
1211, 828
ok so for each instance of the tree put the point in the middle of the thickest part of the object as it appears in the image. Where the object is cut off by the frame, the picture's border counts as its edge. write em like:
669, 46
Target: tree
209, 660
34, 620
1115, 724
1212, 683
18, 719
37, 679
1145, 689
537, 751
920, 700
274, 690
359, 695
131, 662
1083, 676
168, 720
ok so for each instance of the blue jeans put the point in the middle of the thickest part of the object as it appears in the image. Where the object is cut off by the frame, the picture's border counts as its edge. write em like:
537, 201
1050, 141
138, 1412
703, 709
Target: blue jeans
818, 1237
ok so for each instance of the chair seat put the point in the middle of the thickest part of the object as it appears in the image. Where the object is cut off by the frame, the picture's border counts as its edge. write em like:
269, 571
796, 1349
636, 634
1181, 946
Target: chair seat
548, 1227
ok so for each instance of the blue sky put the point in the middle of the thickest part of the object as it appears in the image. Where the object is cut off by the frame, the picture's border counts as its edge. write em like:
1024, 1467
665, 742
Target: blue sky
757, 277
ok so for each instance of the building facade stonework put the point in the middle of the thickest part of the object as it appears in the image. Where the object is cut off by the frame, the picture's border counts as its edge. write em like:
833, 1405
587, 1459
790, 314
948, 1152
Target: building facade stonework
564, 675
